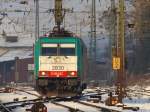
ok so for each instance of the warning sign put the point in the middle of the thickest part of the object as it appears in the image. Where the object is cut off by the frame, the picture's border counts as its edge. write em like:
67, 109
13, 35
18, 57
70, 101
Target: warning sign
116, 63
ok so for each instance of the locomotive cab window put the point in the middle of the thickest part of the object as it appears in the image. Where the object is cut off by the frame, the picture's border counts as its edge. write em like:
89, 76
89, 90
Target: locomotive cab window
49, 50
67, 50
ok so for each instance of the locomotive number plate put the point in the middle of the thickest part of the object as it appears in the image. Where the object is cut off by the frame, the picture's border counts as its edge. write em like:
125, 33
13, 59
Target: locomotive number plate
57, 67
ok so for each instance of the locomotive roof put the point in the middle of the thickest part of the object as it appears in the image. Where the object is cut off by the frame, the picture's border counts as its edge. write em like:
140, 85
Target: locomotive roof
61, 38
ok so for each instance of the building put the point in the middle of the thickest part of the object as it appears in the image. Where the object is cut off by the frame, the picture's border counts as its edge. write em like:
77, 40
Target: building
14, 65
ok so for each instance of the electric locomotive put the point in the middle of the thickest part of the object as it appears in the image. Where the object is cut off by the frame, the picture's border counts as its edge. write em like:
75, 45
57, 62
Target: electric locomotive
60, 65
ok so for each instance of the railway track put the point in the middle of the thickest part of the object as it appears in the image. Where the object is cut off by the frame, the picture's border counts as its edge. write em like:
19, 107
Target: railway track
78, 104
71, 109
139, 92
77, 107
27, 92
12, 105
103, 109
72, 106
3, 108
75, 104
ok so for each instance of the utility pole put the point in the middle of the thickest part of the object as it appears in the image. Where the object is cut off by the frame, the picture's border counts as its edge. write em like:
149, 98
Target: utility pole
36, 19
93, 37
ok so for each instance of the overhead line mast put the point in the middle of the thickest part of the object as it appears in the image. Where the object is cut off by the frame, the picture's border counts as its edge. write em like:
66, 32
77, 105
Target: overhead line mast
36, 19
120, 52
93, 39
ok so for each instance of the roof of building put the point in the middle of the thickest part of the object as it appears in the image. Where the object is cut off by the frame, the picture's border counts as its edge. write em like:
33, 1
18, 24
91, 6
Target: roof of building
10, 54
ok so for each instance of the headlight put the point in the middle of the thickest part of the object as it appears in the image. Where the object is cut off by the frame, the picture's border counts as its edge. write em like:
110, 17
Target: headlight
43, 73
72, 73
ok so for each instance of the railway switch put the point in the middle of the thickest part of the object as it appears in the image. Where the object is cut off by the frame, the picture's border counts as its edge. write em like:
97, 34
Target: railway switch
8, 90
38, 107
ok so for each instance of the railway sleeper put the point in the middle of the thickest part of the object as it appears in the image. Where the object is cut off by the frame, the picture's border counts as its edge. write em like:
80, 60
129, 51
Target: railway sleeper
131, 108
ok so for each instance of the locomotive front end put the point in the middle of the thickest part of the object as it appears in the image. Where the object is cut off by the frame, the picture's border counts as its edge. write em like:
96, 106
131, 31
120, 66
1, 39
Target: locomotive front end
58, 61
57, 67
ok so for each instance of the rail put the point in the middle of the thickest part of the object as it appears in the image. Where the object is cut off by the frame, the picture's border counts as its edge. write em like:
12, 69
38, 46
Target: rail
104, 109
70, 108
4, 108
